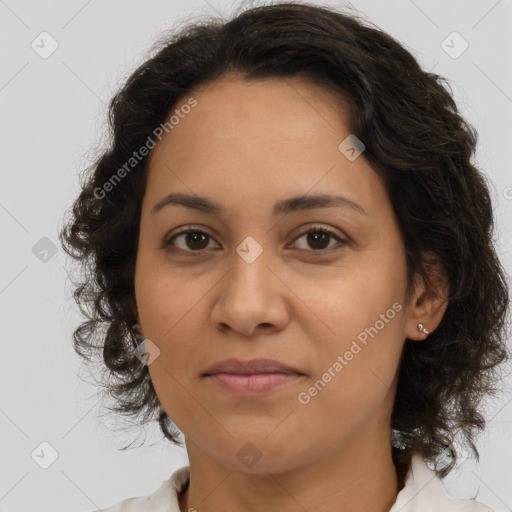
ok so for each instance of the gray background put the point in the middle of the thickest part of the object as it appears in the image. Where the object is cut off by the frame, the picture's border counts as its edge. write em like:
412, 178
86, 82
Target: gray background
52, 112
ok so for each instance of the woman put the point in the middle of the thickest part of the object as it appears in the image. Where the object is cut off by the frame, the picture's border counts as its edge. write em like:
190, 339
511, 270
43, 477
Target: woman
293, 254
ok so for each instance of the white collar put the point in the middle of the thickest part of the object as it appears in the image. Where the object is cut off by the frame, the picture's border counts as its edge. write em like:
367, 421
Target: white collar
424, 491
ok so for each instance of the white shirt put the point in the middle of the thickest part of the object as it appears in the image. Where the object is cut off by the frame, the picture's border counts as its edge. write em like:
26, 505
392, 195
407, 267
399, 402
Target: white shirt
423, 492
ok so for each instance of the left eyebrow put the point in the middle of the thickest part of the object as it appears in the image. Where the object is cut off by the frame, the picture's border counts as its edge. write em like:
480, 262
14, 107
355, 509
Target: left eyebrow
283, 207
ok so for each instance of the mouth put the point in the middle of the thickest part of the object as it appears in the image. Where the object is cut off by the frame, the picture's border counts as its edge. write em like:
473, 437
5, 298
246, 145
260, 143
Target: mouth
252, 384
251, 367
251, 378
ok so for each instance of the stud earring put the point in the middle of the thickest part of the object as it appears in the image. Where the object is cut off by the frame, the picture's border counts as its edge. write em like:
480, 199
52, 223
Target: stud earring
421, 328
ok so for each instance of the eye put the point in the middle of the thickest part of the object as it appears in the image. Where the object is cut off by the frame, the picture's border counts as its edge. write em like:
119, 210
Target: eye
318, 236
195, 240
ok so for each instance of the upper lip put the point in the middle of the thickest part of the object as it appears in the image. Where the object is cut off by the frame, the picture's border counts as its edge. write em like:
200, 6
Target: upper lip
240, 367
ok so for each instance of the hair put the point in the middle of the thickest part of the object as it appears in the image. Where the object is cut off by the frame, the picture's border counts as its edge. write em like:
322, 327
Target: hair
415, 139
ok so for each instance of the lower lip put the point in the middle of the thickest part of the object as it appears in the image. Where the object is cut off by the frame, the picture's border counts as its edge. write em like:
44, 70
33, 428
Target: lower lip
253, 384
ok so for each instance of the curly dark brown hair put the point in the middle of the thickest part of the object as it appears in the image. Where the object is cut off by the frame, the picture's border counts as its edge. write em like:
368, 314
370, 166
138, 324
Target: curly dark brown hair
416, 140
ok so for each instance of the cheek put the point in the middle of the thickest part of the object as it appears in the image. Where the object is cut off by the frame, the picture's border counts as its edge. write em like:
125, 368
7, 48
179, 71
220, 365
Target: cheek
357, 334
356, 367
166, 299
172, 314
355, 399
346, 301
173, 309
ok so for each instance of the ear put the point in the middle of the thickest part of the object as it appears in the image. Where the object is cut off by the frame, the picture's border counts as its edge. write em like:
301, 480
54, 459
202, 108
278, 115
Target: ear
429, 299
137, 328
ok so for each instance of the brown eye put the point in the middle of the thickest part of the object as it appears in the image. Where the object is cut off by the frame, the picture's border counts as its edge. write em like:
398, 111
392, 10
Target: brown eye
193, 240
318, 239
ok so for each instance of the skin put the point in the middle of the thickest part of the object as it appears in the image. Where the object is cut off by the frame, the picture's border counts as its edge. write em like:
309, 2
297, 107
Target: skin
247, 145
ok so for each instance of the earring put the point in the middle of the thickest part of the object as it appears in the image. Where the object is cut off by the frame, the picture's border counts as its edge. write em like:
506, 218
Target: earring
421, 328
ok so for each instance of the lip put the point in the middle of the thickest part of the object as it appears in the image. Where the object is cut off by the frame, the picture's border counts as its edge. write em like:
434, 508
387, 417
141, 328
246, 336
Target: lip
250, 367
252, 385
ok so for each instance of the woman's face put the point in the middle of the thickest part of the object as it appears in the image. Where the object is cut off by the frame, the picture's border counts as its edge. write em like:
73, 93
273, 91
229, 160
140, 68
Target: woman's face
253, 284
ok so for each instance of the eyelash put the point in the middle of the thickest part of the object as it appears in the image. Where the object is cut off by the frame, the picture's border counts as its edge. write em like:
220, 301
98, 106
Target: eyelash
314, 229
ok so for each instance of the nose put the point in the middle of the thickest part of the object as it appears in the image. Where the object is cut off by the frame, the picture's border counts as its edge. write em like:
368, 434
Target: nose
251, 298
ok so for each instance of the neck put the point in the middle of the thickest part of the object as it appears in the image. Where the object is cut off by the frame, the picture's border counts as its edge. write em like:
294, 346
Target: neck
358, 477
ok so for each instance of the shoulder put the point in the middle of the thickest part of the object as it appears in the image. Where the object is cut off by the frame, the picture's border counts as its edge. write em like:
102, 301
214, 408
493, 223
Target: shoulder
165, 498
424, 491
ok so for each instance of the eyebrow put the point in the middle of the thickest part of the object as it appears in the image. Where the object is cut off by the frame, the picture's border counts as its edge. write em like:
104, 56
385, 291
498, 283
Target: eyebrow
283, 207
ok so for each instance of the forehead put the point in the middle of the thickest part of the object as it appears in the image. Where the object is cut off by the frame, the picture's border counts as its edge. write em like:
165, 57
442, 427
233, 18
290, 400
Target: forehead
283, 109
268, 138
